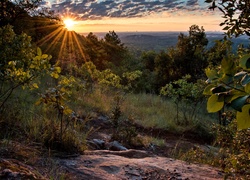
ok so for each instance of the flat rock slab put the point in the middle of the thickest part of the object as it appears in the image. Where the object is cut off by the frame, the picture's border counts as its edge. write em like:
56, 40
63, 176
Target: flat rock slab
134, 165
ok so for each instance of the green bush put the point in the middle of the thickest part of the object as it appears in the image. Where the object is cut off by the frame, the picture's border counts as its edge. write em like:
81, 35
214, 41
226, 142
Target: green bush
234, 149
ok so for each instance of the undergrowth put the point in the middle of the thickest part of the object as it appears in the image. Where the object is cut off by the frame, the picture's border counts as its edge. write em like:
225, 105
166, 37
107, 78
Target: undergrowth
230, 152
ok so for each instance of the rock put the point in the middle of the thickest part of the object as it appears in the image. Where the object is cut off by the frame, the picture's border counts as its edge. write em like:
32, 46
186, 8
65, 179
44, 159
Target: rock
130, 153
116, 146
100, 121
97, 144
11, 169
116, 165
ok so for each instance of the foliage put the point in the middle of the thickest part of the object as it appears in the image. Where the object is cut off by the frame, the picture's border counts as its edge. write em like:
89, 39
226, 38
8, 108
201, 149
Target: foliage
231, 151
236, 15
26, 16
124, 129
188, 55
234, 150
95, 52
72, 140
216, 53
20, 63
164, 71
199, 155
106, 78
229, 86
184, 93
130, 79
10, 11
111, 44
58, 98
148, 82
230, 82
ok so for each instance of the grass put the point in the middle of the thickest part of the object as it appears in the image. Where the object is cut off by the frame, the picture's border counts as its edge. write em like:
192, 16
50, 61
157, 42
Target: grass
153, 111
148, 110
23, 119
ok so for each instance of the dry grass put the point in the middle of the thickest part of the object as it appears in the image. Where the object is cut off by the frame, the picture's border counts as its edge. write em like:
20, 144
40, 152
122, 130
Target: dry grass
150, 110
147, 110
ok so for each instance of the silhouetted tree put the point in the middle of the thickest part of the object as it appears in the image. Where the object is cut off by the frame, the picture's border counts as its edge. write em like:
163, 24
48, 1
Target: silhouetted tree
236, 15
188, 55
114, 48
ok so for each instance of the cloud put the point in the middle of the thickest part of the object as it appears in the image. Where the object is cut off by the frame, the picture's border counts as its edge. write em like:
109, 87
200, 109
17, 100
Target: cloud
45, 4
192, 2
98, 9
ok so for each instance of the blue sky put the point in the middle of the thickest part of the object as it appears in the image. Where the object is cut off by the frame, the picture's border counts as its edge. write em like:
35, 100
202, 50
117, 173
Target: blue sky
136, 15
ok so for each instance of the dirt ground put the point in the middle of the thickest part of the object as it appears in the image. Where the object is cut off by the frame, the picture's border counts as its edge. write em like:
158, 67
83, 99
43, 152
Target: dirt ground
31, 161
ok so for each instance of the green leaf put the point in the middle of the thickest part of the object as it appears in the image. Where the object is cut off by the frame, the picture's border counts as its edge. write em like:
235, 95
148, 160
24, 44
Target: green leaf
214, 104
234, 94
54, 75
243, 118
247, 88
245, 80
58, 69
208, 89
211, 73
227, 66
227, 79
45, 56
238, 103
239, 75
245, 61
35, 85
39, 52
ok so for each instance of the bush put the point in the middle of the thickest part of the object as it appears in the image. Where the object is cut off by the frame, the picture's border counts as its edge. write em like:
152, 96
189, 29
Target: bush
234, 149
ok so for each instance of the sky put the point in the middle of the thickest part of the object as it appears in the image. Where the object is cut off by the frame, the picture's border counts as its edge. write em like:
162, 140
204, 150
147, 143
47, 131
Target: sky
136, 15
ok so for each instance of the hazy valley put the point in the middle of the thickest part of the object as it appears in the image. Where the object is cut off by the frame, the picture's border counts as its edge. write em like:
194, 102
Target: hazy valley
158, 41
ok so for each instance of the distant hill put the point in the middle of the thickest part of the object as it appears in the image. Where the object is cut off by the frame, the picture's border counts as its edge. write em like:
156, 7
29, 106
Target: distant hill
149, 42
158, 41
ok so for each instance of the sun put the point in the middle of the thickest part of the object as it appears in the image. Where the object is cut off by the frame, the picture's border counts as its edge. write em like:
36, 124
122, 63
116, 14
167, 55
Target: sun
69, 23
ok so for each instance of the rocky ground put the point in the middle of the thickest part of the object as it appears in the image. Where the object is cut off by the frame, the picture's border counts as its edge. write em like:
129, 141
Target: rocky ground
135, 165
105, 159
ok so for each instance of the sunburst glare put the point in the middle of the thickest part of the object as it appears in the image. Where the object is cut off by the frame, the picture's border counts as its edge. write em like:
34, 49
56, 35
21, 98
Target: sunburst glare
69, 23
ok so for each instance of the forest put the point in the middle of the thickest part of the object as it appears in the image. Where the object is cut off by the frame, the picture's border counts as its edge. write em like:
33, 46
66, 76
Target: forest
54, 82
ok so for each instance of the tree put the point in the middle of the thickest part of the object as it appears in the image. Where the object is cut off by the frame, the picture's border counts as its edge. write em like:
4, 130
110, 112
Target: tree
236, 14
188, 55
163, 69
10, 10
25, 16
220, 49
114, 48
187, 97
20, 63
229, 84
148, 60
95, 51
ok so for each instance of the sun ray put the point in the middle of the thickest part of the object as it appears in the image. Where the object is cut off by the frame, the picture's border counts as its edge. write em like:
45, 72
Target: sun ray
49, 36
63, 45
52, 44
79, 47
70, 44
45, 27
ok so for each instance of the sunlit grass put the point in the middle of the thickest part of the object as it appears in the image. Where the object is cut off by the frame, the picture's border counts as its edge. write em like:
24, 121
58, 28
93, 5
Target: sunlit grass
150, 111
